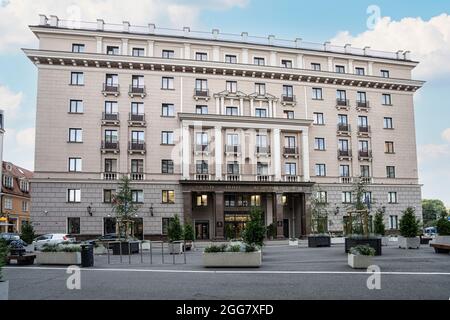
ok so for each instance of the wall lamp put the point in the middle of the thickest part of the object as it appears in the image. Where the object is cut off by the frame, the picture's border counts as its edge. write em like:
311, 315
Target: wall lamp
90, 210
336, 212
151, 210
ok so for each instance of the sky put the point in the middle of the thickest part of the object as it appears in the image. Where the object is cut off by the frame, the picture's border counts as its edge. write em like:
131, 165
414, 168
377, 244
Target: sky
423, 27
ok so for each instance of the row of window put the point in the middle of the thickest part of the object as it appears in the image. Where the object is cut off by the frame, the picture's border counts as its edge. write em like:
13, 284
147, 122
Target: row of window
167, 196
8, 182
229, 58
344, 171
8, 204
347, 197
319, 119
343, 145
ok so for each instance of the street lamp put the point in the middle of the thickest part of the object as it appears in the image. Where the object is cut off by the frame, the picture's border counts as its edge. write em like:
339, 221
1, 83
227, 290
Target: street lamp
151, 210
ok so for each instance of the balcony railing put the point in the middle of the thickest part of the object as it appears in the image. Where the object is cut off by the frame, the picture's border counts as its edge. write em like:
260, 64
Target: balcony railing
366, 180
292, 178
113, 89
233, 177
202, 177
110, 116
201, 148
342, 103
134, 117
137, 176
263, 178
262, 150
232, 149
290, 150
110, 146
201, 94
137, 146
343, 128
346, 180
110, 176
344, 153
288, 99
362, 105
363, 154
137, 90
363, 130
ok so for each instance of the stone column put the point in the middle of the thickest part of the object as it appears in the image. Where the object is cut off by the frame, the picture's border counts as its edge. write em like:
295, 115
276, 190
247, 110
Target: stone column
219, 207
252, 107
218, 152
305, 155
276, 153
125, 47
186, 141
269, 209
306, 216
241, 106
279, 215
187, 51
150, 48
330, 64
99, 45
218, 109
187, 206
350, 66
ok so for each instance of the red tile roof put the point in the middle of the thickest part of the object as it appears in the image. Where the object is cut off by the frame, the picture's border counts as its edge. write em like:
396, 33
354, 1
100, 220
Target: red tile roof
18, 174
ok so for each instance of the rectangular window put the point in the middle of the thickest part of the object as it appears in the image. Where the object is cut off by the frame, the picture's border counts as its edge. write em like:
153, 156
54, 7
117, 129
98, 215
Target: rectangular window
201, 85
322, 196
255, 201
230, 58
73, 226
168, 196
75, 164
386, 99
168, 54
233, 168
259, 61
201, 140
363, 146
315, 66
167, 137
233, 139
389, 147
202, 200
8, 181
361, 97
112, 50
76, 106
392, 197
232, 111
390, 172
367, 197
343, 145
108, 195
168, 110
290, 169
202, 167
289, 142
289, 114
341, 95
138, 52
344, 170
74, 195
363, 122
388, 123
75, 135
137, 166
262, 169
286, 63
319, 144
342, 120
8, 204
321, 170
340, 69
111, 107
112, 82
165, 225
201, 56
360, 71
201, 109
77, 78
137, 196
288, 91
167, 166
137, 137
78, 48
25, 206
231, 86
167, 83
261, 113
230, 201
260, 89
317, 93
385, 73
346, 197
393, 222
319, 118
365, 171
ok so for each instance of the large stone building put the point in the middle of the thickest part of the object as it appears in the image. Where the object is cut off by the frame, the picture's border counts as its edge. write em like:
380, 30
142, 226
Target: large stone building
207, 125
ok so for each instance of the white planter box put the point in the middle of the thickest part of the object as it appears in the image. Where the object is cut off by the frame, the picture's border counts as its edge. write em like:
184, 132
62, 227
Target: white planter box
293, 242
58, 258
409, 243
100, 250
385, 241
4, 290
232, 259
175, 248
359, 261
442, 240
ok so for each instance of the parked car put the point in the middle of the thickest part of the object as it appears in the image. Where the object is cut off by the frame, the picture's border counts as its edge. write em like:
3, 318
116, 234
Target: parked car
51, 239
9, 237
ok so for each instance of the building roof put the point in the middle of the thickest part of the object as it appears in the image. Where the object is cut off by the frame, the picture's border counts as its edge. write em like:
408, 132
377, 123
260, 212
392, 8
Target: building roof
18, 174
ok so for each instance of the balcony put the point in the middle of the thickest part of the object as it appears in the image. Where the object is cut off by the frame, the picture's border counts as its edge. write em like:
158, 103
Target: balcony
232, 149
292, 178
366, 180
262, 151
290, 152
136, 120
137, 176
137, 90
362, 106
264, 178
288, 100
233, 177
202, 177
363, 131
137, 147
343, 129
342, 104
110, 119
201, 94
344, 154
110, 147
200, 149
346, 180
365, 155
110, 176
111, 89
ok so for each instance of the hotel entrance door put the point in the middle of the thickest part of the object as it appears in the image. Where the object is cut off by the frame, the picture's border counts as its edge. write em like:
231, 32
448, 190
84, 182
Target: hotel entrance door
235, 224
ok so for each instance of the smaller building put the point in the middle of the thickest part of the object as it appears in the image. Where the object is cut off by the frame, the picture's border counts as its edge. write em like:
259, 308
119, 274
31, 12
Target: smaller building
15, 198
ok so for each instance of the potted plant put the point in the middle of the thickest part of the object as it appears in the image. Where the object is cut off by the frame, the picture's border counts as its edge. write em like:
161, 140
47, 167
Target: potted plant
379, 228
319, 223
357, 226
59, 254
28, 235
441, 243
409, 230
189, 236
175, 235
4, 285
361, 257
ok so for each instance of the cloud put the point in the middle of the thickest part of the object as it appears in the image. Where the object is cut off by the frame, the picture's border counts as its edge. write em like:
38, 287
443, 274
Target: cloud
10, 101
19, 147
25, 139
16, 15
428, 41
446, 135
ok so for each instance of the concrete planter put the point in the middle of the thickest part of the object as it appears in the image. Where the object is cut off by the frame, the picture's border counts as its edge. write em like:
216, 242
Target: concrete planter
293, 243
100, 250
385, 241
175, 248
232, 259
59, 258
4, 290
319, 241
409, 243
442, 240
359, 261
372, 242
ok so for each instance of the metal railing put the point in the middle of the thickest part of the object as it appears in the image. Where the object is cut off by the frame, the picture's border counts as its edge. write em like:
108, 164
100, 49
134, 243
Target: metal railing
343, 127
364, 129
110, 88
110, 145
262, 150
201, 148
365, 154
201, 93
288, 98
136, 146
232, 148
344, 153
290, 150
362, 105
110, 116
134, 117
342, 102
139, 89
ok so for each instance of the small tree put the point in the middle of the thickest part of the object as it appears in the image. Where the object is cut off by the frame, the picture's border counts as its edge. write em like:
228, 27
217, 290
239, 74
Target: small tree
409, 224
358, 211
319, 214
379, 227
28, 234
124, 207
3, 253
175, 230
189, 232
255, 231
443, 226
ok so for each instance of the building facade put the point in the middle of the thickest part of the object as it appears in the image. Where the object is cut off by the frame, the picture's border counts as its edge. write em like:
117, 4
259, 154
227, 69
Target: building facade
16, 196
207, 125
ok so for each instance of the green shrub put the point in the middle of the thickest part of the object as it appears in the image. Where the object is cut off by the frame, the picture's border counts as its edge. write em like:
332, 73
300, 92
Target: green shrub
363, 250
409, 225
250, 248
235, 248
378, 223
27, 233
255, 231
189, 232
443, 226
216, 249
60, 248
271, 230
175, 230
3, 253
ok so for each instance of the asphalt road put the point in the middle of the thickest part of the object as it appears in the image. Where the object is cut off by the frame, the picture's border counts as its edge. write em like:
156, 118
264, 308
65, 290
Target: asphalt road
287, 273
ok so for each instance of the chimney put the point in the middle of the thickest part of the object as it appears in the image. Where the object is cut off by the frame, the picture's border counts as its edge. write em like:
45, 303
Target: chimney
366, 51
271, 40
215, 33
400, 54
43, 20
54, 20
151, 28
298, 42
100, 24
407, 55
326, 46
348, 48
244, 36
126, 26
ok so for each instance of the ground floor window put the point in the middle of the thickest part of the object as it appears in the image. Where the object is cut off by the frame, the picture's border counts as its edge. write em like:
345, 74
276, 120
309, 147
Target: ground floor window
235, 224
202, 230
73, 226
165, 225
109, 226
393, 222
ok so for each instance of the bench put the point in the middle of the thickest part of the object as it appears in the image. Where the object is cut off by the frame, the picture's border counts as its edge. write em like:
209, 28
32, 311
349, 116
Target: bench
23, 260
440, 248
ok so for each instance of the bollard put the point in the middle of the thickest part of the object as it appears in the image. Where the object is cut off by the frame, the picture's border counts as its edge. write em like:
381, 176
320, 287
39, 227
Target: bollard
151, 252
120, 250
173, 253
142, 258
107, 249
184, 251
129, 252
162, 251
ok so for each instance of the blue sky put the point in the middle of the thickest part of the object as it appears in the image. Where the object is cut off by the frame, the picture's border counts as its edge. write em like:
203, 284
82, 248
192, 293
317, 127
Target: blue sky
421, 26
